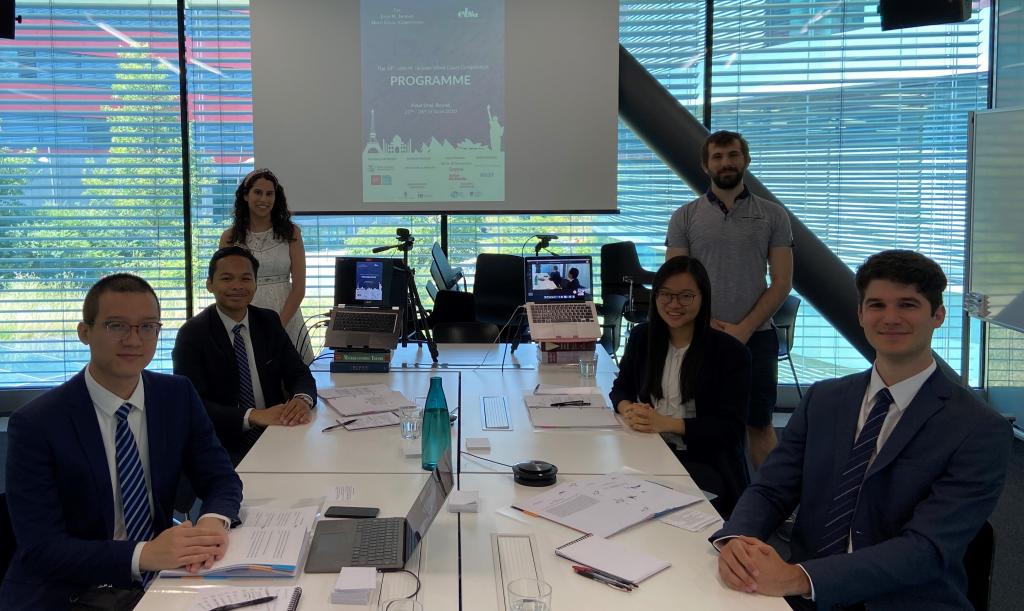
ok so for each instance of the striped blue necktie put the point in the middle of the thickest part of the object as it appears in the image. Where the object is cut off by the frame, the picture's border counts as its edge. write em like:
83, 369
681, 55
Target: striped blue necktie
246, 399
138, 523
847, 489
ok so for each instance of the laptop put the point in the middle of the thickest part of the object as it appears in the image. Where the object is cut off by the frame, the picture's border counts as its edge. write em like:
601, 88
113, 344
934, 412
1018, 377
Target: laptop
560, 298
384, 543
362, 318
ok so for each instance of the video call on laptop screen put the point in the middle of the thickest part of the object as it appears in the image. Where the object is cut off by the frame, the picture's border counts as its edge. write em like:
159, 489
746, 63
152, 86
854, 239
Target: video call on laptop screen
558, 279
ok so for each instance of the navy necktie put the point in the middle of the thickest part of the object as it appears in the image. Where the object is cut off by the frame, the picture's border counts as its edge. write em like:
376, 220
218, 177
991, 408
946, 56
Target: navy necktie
138, 522
246, 399
847, 489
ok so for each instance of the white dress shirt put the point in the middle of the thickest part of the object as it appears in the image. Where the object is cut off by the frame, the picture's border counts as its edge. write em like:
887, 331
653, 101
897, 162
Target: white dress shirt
671, 404
106, 404
257, 391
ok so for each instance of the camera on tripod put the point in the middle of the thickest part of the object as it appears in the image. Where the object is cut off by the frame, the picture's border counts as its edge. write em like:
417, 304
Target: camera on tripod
402, 235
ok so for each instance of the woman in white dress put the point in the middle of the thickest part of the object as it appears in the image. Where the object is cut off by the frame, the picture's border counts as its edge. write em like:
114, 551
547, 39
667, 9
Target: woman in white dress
262, 223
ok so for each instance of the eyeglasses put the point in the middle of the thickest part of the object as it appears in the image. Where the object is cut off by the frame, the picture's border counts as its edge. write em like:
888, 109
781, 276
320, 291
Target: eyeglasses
666, 297
121, 330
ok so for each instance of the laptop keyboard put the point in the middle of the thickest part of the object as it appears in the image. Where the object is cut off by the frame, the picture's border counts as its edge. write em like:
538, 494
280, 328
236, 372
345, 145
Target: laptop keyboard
377, 543
562, 312
364, 321
495, 413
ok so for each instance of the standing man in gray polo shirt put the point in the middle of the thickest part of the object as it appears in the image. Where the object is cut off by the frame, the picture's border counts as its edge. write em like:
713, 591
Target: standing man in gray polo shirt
739, 237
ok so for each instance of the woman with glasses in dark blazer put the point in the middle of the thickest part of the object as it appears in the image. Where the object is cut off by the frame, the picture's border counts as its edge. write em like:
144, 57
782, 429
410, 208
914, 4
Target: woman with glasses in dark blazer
688, 382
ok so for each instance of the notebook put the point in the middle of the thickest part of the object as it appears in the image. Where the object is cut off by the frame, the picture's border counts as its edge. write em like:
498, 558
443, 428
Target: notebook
560, 298
583, 411
287, 598
613, 558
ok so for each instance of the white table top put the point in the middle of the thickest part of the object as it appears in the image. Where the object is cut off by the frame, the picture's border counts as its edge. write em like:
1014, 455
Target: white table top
473, 356
690, 583
305, 449
435, 559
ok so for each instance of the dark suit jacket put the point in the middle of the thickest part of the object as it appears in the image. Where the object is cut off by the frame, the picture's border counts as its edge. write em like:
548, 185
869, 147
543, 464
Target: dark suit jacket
717, 435
61, 497
204, 353
934, 483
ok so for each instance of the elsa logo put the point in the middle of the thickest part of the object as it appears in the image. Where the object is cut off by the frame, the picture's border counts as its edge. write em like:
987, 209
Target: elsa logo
468, 14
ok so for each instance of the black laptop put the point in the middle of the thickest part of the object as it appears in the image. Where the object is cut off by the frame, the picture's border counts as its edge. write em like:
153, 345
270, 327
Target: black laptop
384, 543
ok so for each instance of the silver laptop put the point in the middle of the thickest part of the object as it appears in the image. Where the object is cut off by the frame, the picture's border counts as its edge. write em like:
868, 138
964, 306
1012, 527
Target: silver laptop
384, 543
560, 298
363, 327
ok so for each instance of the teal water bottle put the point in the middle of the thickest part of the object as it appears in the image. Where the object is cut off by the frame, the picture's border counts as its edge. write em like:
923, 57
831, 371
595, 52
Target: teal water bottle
437, 429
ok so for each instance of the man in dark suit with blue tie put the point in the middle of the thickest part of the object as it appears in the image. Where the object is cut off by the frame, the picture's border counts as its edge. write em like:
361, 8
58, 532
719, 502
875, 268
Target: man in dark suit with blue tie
894, 470
93, 465
241, 360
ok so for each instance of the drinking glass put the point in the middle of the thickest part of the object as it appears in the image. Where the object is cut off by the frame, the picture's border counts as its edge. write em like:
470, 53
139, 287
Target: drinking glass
529, 595
588, 367
409, 421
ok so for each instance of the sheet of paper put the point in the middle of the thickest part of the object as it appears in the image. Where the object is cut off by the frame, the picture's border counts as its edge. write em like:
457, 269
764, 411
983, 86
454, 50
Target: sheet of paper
372, 421
606, 504
273, 517
371, 399
218, 597
554, 389
341, 492
364, 391
547, 400
693, 520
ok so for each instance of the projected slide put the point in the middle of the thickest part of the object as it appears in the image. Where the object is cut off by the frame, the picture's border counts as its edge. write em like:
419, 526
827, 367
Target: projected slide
433, 100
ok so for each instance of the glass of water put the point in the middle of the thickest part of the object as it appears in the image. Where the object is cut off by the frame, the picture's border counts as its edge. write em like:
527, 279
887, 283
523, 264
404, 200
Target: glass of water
400, 604
410, 421
529, 595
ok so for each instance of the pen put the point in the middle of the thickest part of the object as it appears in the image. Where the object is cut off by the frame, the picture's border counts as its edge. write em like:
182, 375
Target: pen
570, 404
245, 603
600, 579
615, 578
335, 426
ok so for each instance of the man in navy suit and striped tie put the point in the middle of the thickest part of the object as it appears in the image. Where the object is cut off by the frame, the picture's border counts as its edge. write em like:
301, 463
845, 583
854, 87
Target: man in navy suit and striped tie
93, 465
241, 360
894, 469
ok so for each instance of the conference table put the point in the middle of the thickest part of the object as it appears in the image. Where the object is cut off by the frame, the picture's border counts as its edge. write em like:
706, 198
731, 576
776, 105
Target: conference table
458, 563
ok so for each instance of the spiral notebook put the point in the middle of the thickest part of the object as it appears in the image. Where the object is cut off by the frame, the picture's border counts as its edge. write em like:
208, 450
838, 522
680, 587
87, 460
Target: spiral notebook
286, 598
617, 560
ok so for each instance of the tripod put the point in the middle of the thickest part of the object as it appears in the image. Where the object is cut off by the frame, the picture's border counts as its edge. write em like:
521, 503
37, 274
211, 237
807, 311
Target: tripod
413, 305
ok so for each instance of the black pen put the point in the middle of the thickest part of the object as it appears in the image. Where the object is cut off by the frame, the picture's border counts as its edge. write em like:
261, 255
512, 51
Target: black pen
611, 583
571, 404
614, 578
336, 426
245, 603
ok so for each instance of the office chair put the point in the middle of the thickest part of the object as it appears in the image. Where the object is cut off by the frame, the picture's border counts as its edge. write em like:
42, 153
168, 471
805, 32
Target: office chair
978, 561
622, 274
784, 322
431, 289
452, 306
447, 277
465, 332
499, 290
611, 326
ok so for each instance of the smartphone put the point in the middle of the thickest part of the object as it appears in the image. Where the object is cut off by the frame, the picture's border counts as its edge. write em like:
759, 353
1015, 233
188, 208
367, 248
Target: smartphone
351, 512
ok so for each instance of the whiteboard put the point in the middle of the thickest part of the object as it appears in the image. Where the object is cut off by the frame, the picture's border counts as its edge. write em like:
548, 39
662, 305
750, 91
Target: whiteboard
996, 218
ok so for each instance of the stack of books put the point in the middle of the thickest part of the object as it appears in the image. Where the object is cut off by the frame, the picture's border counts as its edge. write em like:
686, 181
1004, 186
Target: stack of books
361, 360
556, 352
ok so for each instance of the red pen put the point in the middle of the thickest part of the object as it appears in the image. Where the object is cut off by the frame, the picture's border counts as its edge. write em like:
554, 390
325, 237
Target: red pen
589, 573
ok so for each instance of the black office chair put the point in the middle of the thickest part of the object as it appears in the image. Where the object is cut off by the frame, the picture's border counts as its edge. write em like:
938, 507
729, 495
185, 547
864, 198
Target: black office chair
978, 561
499, 290
611, 322
452, 306
431, 290
447, 277
465, 333
622, 274
784, 321
7, 543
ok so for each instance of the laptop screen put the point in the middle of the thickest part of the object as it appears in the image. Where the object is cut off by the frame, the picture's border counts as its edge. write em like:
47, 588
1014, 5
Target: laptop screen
368, 281
559, 279
428, 504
